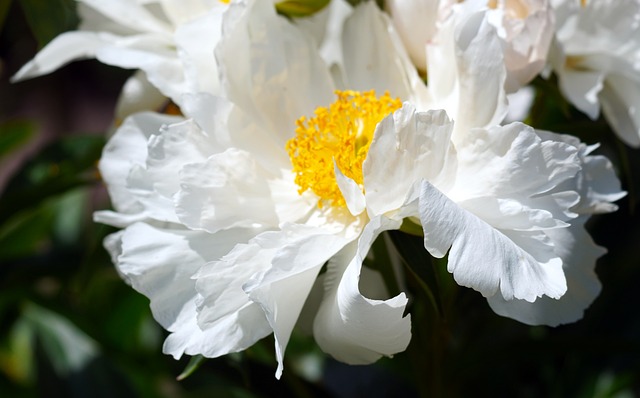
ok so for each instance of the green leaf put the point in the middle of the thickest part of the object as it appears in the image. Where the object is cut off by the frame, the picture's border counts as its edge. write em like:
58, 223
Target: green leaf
25, 233
192, 366
49, 18
16, 354
68, 348
63, 166
71, 210
13, 134
300, 8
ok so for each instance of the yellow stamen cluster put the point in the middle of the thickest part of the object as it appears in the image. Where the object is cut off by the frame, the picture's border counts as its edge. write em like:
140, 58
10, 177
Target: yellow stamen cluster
341, 133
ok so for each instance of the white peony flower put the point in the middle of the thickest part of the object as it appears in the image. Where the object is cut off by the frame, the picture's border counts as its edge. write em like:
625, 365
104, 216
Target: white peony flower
597, 60
525, 29
231, 216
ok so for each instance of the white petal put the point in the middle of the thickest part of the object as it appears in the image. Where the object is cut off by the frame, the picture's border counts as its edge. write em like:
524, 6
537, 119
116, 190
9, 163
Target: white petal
326, 27
67, 47
620, 99
126, 150
113, 244
195, 43
164, 70
234, 333
579, 255
152, 184
138, 95
351, 192
526, 30
227, 190
352, 328
415, 21
520, 104
481, 74
272, 69
170, 149
513, 214
229, 126
582, 89
182, 11
406, 147
467, 73
129, 14
211, 114
598, 186
291, 206
596, 182
380, 62
282, 290
511, 162
519, 265
160, 264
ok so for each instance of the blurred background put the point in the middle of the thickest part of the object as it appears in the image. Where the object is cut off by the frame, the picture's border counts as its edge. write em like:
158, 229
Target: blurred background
69, 326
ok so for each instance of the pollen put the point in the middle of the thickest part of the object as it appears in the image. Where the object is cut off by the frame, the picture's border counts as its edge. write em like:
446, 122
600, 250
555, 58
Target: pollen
340, 133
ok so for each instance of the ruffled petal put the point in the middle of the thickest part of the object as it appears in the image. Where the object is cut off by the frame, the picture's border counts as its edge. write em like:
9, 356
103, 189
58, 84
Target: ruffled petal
170, 149
352, 328
282, 290
406, 147
128, 150
227, 190
579, 255
153, 184
511, 162
234, 333
596, 182
516, 264
160, 264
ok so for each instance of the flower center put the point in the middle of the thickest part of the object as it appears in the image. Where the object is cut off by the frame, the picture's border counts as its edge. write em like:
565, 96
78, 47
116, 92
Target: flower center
340, 133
